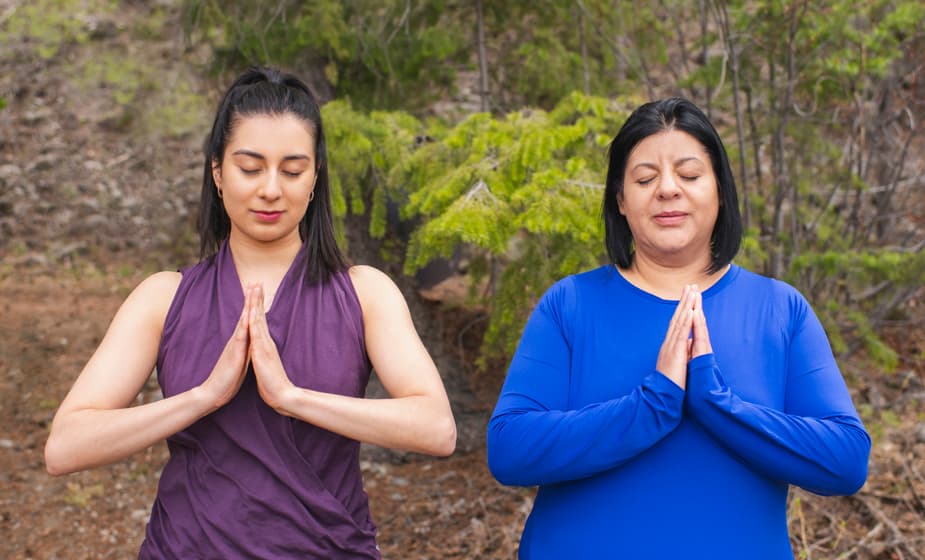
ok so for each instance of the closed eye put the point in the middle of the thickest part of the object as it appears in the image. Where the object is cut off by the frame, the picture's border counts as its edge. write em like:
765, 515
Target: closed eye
645, 181
292, 174
690, 178
249, 171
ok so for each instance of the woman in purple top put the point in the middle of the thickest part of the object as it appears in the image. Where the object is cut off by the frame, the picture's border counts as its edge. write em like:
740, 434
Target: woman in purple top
263, 351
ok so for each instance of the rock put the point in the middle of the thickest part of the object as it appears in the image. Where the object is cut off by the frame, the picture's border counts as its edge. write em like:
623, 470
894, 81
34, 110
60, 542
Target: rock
920, 432
78, 248
35, 117
44, 162
101, 29
35, 260
9, 171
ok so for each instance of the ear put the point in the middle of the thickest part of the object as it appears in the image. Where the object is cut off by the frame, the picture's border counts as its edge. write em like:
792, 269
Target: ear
217, 173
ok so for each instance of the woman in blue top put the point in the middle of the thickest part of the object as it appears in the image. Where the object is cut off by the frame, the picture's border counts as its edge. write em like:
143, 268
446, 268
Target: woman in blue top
679, 444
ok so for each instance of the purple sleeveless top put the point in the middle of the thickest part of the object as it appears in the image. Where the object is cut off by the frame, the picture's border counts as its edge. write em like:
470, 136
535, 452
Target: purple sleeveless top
245, 481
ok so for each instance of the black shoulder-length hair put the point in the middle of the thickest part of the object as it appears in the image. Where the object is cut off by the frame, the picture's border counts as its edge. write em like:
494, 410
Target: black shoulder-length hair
674, 113
267, 91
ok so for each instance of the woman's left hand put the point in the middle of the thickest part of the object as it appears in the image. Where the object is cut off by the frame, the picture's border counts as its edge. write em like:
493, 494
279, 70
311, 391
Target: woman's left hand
700, 337
272, 382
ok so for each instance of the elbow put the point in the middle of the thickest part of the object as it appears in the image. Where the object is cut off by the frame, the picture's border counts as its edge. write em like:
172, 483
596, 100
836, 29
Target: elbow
502, 460
56, 463
446, 441
854, 475
506, 471
851, 475
443, 438
502, 470
856, 480
846, 483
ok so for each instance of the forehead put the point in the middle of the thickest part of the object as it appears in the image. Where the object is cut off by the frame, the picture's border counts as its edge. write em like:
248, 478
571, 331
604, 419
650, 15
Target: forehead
671, 145
268, 132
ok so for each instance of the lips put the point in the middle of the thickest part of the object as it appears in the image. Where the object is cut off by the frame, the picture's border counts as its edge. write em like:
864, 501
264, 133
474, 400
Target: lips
268, 216
670, 218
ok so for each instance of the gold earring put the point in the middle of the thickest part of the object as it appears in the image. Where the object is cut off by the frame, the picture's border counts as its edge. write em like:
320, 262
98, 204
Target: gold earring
311, 196
220, 193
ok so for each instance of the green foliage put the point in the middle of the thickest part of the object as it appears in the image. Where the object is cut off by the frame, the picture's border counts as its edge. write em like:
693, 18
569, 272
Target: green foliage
122, 75
363, 148
378, 54
521, 192
80, 495
163, 104
48, 25
817, 116
855, 273
177, 110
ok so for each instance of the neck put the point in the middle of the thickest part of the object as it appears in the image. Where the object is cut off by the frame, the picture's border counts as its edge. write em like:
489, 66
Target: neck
666, 279
263, 262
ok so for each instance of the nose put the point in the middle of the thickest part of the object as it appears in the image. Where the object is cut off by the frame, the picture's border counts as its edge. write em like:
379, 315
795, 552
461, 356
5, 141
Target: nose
667, 186
270, 189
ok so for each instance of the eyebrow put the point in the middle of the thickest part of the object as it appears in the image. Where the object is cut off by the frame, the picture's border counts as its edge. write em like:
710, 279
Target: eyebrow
256, 155
677, 162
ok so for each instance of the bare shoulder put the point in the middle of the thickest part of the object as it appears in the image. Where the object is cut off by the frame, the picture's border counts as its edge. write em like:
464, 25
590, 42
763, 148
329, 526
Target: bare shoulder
153, 296
160, 285
373, 287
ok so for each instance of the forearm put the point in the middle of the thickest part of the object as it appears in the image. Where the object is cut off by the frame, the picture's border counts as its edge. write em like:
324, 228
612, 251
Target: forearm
418, 423
827, 455
528, 446
86, 438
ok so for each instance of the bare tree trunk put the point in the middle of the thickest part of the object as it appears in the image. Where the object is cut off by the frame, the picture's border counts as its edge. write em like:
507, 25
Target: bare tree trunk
483, 62
619, 52
854, 222
707, 90
756, 140
783, 185
773, 266
723, 14
677, 73
584, 52
795, 235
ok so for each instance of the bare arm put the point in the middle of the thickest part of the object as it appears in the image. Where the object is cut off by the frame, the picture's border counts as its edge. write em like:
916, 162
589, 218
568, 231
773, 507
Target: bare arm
96, 424
416, 418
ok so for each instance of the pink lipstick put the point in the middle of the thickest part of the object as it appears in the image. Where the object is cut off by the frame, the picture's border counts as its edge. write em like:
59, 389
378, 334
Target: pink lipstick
670, 218
267, 217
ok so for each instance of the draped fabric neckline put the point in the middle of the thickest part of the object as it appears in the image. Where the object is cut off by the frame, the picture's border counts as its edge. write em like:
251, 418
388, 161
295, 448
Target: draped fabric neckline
236, 297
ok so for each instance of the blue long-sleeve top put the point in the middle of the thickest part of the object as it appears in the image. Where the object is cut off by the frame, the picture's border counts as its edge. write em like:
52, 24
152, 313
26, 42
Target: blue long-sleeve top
629, 465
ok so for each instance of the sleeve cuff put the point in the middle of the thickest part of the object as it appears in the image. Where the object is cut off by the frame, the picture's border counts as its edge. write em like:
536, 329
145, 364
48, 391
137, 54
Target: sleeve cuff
706, 361
659, 383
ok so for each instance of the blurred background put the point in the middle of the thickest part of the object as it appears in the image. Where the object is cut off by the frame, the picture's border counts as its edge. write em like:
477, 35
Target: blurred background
467, 144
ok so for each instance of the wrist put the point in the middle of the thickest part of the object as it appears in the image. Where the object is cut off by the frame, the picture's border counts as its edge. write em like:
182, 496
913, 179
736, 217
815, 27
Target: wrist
287, 401
204, 400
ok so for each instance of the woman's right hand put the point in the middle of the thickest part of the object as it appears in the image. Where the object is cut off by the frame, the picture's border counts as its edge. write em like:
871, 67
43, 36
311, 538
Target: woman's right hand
675, 351
228, 374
